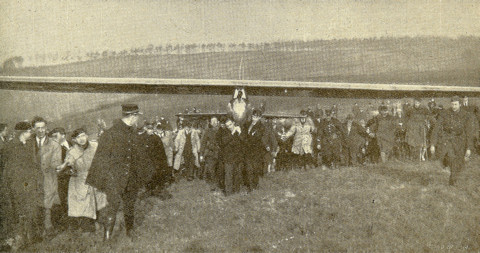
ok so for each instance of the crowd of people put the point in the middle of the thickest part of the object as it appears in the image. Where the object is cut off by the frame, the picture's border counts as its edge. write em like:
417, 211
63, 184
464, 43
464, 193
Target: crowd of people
52, 182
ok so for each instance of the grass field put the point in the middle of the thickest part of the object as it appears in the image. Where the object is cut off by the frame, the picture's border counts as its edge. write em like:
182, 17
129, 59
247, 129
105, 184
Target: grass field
396, 207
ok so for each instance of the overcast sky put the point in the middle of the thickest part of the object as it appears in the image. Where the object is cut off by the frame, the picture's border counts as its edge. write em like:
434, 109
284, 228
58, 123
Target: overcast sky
45, 26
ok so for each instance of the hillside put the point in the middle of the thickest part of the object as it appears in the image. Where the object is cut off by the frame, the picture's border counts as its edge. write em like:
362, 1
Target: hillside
386, 60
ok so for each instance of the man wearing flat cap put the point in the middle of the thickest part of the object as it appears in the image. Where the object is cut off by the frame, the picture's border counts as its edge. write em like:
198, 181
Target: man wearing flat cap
452, 136
114, 167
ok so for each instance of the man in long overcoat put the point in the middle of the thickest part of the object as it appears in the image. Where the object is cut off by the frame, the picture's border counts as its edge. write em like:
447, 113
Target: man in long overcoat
209, 150
383, 127
256, 147
114, 169
49, 155
416, 129
354, 139
23, 187
452, 136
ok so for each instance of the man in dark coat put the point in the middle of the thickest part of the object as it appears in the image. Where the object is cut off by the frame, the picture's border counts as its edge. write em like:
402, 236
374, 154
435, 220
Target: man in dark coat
257, 146
355, 136
452, 136
152, 160
209, 150
232, 146
114, 169
23, 185
330, 133
383, 129
416, 130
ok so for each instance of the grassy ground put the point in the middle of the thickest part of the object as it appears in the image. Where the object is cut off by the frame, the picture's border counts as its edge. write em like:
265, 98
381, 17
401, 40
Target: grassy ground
396, 207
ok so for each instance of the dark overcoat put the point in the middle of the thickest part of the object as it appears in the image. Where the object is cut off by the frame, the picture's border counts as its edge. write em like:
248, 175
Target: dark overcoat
151, 160
114, 163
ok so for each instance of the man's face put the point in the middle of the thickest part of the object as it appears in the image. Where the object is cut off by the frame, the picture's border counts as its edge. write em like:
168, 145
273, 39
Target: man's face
27, 134
303, 120
229, 124
255, 118
465, 100
455, 105
135, 118
417, 104
40, 129
214, 122
59, 137
81, 139
384, 113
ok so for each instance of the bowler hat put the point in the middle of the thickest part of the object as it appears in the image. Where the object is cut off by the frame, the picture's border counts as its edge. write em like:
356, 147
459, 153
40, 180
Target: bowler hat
23, 126
455, 99
130, 109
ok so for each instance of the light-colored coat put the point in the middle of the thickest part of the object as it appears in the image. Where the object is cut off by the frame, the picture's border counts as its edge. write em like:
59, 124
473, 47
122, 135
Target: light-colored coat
83, 200
167, 139
302, 140
50, 155
180, 144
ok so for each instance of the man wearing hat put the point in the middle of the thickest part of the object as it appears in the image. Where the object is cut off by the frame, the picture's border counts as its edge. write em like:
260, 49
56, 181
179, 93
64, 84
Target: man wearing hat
27, 201
256, 144
416, 130
114, 168
330, 133
382, 129
452, 136
354, 139
153, 167
209, 151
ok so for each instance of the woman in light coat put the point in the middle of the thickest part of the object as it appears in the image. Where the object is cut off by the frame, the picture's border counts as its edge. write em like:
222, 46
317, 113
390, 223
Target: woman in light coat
83, 200
302, 140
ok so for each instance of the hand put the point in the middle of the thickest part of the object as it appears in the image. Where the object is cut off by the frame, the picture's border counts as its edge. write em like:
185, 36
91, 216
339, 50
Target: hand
371, 135
201, 158
268, 149
467, 154
319, 146
60, 168
432, 149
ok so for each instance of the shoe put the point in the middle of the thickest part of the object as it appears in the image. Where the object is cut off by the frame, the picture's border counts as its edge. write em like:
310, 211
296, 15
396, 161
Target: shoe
108, 229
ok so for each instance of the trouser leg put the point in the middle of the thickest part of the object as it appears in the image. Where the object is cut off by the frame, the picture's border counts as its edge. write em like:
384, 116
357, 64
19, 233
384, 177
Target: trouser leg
220, 175
129, 198
456, 165
229, 178
237, 175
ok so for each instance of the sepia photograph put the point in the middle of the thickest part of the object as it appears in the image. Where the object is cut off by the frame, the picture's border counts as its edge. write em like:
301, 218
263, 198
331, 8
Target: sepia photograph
239, 126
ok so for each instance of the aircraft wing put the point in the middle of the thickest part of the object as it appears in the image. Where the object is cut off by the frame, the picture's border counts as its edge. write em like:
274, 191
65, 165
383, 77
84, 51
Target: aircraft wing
281, 115
201, 115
